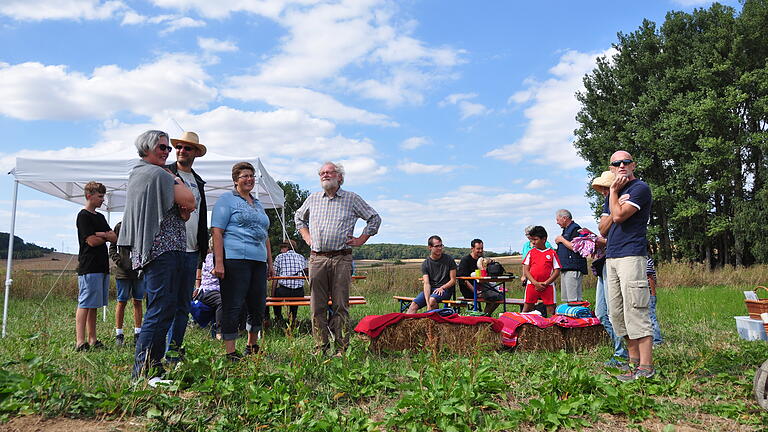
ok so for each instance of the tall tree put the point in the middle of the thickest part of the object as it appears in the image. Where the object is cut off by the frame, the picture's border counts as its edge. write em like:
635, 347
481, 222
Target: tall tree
688, 100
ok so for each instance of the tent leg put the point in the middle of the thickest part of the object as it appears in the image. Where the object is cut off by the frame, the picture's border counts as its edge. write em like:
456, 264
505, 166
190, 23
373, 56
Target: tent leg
9, 259
285, 233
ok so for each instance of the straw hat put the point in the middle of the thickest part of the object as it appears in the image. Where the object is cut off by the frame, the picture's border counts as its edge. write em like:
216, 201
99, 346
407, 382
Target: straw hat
605, 179
191, 139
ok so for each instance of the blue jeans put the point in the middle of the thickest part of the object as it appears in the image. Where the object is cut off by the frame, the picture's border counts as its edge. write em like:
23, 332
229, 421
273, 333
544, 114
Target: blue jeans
244, 285
162, 278
657, 339
175, 338
601, 310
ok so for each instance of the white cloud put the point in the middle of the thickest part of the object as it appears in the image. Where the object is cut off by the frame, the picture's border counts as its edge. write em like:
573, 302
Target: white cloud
223, 8
172, 23
413, 143
26, 10
419, 168
548, 137
33, 91
215, 45
468, 109
537, 184
313, 102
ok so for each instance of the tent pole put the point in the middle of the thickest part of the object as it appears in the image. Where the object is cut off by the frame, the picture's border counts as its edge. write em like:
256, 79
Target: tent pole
285, 233
9, 259
109, 222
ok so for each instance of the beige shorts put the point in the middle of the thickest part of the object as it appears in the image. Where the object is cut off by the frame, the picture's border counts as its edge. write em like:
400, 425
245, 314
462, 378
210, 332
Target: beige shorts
628, 296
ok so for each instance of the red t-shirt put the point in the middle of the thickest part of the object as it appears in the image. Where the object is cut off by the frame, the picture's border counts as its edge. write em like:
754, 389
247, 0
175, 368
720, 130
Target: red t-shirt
542, 263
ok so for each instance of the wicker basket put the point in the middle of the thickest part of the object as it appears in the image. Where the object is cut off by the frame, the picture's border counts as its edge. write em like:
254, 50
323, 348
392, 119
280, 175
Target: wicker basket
756, 307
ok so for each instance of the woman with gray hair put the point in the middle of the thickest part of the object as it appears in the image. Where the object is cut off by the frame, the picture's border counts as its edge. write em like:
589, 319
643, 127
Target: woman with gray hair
157, 204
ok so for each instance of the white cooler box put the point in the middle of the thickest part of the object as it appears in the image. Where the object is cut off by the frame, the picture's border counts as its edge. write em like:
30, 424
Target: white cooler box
750, 329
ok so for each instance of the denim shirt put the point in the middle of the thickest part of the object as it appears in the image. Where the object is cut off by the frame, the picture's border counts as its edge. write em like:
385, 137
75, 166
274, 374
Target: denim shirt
245, 227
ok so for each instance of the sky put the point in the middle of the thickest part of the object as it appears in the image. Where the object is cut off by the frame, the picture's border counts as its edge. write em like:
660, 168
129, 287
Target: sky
453, 118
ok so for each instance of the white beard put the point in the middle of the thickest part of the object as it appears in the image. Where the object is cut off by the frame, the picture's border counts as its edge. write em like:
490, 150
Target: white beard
329, 184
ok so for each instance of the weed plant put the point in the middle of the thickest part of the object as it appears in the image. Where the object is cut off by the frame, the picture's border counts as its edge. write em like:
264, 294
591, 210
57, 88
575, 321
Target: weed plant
704, 380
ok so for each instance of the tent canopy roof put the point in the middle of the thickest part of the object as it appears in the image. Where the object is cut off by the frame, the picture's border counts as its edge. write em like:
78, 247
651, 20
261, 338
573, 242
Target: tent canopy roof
66, 179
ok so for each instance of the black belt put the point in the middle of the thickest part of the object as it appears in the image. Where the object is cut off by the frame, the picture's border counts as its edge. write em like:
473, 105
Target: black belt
333, 253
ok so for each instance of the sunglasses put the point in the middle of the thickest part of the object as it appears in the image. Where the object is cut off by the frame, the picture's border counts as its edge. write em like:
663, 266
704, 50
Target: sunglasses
164, 148
187, 148
618, 163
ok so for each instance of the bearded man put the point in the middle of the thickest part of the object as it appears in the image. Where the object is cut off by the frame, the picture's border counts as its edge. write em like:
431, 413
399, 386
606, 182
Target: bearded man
326, 222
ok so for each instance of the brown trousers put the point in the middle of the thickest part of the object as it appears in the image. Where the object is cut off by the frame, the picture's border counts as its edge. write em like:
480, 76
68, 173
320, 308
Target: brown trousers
330, 277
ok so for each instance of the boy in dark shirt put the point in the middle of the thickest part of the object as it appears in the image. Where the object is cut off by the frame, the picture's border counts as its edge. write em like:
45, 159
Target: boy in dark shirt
93, 232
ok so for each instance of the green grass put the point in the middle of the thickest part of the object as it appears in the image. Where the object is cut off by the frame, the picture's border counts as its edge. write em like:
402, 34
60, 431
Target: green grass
705, 373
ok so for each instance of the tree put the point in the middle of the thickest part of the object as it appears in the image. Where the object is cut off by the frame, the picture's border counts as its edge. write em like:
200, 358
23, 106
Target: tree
689, 102
294, 197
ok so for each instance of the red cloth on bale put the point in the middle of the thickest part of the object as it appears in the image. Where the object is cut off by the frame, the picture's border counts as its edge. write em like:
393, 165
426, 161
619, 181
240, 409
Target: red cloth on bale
513, 320
373, 325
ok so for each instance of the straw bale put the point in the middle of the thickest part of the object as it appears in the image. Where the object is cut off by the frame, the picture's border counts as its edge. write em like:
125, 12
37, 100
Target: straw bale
533, 338
584, 338
424, 334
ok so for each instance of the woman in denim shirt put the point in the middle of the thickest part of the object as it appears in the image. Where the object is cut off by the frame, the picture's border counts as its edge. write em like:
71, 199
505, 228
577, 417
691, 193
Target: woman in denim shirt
242, 258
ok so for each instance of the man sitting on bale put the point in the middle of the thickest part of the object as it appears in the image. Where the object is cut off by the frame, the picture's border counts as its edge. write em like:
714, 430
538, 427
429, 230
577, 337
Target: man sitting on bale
438, 277
467, 266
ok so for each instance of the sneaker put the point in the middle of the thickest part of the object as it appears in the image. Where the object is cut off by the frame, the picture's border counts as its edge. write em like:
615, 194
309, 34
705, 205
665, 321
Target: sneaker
252, 349
82, 347
234, 357
618, 364
119, 340
644, 373
98, 345
158, 381
626, 376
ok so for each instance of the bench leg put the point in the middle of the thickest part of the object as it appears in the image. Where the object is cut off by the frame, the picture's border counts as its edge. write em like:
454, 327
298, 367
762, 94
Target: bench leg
404, 305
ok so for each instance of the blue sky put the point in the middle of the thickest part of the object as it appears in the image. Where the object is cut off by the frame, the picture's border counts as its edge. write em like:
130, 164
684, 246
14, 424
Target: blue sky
451, 117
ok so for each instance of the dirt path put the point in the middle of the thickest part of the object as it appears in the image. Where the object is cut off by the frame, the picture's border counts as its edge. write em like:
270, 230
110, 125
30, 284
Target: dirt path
60, 424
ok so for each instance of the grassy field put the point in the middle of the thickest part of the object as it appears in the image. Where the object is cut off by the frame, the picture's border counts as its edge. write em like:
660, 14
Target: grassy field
704, 381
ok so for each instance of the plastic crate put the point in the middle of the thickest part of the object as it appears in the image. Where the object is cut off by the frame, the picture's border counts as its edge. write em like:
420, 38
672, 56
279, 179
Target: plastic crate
750, 329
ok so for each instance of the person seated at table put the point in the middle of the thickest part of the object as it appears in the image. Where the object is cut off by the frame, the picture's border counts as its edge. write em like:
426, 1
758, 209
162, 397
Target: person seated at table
438, 277
288, 263
541, 268
467, 267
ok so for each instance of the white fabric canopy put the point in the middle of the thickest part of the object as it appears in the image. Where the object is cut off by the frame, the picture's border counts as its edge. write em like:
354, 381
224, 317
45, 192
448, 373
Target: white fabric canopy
66, 179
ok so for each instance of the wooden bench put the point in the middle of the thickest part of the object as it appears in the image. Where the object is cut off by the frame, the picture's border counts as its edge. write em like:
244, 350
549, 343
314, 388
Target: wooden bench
456, 304
304, 301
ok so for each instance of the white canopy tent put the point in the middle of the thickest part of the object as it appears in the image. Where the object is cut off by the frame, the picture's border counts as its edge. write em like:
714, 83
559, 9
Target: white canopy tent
65, 179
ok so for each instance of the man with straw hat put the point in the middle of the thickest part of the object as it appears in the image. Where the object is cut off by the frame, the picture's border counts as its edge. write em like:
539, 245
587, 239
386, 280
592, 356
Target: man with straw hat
188, 148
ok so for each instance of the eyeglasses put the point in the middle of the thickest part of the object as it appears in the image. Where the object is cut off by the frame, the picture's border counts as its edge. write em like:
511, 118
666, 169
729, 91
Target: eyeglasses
437, 246
164, 147
246, 176
617, 163
330, 173
187, 148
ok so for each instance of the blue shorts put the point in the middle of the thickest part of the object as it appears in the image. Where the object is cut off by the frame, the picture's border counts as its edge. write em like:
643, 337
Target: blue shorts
421, 302
130, 287
93, 290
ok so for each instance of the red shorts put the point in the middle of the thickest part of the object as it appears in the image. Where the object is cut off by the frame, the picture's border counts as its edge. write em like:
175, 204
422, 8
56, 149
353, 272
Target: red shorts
547, 296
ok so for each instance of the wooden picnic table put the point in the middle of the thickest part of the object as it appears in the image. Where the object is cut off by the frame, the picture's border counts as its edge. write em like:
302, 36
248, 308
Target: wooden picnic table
305, 300
491, 279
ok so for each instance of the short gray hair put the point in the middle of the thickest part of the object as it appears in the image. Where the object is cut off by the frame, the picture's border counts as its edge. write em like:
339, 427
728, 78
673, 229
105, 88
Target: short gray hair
337, 166
564, 213
528, 229
147, 141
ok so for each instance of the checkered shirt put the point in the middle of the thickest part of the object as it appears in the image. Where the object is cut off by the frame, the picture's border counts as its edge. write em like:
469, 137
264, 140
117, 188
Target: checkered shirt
331, 221
290, 264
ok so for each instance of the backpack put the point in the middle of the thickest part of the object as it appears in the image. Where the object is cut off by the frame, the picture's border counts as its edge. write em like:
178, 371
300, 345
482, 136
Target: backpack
495, 269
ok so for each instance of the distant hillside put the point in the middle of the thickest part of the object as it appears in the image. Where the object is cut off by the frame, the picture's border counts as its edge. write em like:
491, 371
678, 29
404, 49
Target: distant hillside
383, 251
21, 250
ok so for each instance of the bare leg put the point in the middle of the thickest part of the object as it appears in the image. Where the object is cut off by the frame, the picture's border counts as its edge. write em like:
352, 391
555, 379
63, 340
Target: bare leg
138, 313
645, 350
527, 307
550, 310
253, 338
229, 346
90, 325
81, 316
120, 314
413, 308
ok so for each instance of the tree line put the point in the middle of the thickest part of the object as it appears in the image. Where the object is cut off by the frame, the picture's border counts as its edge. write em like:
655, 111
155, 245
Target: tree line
21, 250
689, 101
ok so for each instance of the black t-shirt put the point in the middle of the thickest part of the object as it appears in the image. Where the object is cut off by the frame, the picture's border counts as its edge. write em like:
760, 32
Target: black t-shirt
91, 259
439, 271
467, 265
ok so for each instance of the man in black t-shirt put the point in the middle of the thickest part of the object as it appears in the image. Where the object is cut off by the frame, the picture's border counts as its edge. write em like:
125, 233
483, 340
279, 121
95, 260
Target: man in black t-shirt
93, 232
467, 266
438, 277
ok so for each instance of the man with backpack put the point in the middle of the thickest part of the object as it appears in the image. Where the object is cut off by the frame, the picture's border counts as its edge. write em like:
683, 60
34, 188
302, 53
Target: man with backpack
486, 291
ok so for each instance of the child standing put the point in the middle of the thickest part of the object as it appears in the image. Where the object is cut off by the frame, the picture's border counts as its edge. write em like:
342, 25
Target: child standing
93, 233
541, 268
128, 286
650, 272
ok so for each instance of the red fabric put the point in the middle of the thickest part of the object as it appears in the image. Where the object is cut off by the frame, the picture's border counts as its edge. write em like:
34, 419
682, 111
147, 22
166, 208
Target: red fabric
373, 325
541, 263
513, 320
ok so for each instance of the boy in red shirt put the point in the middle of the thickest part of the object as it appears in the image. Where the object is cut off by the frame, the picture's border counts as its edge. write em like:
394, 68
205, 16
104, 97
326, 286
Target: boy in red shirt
541, 267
